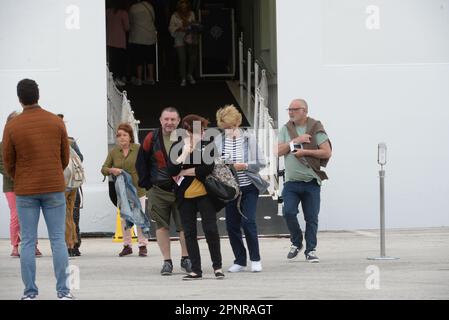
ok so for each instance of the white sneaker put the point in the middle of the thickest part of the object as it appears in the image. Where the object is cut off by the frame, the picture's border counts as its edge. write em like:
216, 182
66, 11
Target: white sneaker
236, 268
29, 297
65, 296
256, 266
183, 83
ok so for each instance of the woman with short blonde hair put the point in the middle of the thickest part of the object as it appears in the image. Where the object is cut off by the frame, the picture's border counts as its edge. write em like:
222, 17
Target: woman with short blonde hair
229, 116
239, 147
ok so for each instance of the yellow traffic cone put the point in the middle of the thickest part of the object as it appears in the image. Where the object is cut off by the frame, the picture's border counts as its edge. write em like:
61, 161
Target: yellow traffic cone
118, 236
133, 234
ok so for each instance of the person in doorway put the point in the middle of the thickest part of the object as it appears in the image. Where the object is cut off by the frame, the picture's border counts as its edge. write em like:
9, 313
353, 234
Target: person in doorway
8, 190
142, 40
239, 148
152, 168
117, 25
183, 28
306, 148
123, 157
38, 129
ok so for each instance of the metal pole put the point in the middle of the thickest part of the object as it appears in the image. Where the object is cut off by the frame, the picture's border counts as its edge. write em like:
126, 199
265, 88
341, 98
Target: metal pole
381, 159
241, 60
248, 87
157, 58
256, 74
382, 211
272, 157
256, 122
265, 133
233, 43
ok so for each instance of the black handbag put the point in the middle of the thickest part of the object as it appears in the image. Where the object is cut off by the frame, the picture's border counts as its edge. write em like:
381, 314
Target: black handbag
219, 190
222, 182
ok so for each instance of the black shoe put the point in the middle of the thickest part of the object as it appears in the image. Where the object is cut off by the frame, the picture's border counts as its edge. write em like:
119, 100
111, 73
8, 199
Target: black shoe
219, 275
293, 253
70, 252
186, 265
190, 277
167, 269
76, 252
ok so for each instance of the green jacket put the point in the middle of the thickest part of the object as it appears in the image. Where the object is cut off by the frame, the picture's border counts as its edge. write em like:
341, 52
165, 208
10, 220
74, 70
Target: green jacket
8, 183
116, 159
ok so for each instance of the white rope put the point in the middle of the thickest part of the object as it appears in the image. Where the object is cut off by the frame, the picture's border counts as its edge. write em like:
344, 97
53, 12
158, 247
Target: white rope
119, 111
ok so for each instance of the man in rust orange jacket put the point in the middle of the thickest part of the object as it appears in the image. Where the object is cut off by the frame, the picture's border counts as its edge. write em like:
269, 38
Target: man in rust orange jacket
35, 153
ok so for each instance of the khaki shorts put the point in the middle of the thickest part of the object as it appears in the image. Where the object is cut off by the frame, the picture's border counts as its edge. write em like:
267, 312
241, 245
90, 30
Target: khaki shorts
162, 206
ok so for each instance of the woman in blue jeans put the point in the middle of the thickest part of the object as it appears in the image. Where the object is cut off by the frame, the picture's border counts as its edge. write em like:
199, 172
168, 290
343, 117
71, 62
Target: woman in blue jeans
239, 147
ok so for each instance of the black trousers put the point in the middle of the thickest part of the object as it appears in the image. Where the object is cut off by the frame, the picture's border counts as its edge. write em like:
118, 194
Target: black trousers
188, 210
112, 193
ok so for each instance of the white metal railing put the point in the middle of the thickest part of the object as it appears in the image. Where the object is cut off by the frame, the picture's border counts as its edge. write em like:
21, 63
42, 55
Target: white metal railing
119, 111
257, 108
266, 135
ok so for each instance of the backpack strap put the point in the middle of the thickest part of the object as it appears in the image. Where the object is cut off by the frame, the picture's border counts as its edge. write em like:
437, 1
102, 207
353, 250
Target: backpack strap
149, 11
81, 195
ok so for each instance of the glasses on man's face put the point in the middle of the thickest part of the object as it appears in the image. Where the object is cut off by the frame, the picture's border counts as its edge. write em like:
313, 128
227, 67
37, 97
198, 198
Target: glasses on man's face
294, 109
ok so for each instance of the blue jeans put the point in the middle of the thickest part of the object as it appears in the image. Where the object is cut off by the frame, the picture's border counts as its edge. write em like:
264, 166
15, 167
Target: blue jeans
308, 193
54, 210
235, 223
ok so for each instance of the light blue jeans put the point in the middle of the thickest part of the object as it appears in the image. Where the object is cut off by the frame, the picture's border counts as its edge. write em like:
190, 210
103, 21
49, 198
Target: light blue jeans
54, 210
129, 203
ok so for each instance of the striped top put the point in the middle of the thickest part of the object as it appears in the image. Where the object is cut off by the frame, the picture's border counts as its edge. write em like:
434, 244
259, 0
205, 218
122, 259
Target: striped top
233, 150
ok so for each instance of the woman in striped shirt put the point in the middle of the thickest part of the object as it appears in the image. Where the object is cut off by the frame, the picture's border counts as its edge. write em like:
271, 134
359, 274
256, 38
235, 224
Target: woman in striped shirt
239, 147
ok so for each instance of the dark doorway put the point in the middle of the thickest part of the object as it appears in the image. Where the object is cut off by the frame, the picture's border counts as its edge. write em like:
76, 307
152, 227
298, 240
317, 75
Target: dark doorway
210, 92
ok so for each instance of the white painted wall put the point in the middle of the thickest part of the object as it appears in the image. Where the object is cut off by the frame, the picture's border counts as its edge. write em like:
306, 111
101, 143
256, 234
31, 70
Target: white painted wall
367, 86
37, 41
